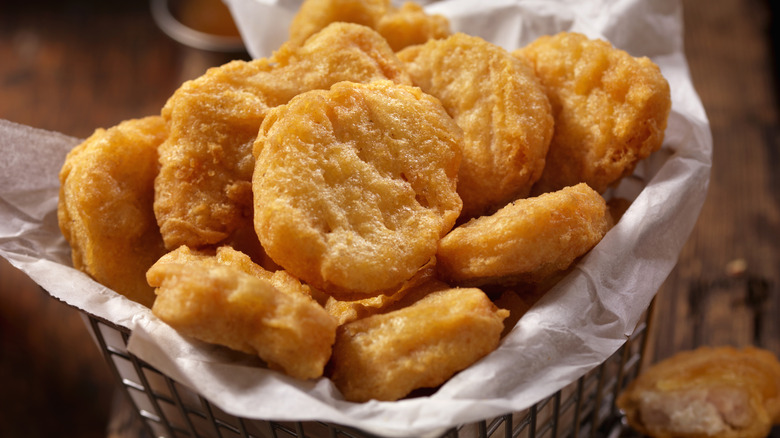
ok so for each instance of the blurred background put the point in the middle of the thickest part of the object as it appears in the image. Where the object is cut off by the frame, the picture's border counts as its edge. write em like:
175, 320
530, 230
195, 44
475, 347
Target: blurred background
74, 65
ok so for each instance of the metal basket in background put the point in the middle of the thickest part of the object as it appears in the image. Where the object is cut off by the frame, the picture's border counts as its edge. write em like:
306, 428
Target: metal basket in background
585, 408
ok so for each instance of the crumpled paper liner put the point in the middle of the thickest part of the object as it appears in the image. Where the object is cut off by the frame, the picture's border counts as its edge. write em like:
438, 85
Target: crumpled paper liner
573, 328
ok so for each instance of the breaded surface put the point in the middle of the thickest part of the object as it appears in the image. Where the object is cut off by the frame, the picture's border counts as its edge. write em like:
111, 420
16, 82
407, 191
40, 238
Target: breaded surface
203, 193
354, 186
410, 25
610, 109
385, 357
708, 392
500, 105
105, 205
350, 308
526, 241
314, 15
401, 27
226, 301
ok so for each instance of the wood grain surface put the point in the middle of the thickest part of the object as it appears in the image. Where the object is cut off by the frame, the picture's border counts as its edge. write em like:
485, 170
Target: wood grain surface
72, 66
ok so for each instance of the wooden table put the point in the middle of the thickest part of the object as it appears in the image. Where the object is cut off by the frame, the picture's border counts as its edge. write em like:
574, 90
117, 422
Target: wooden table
72, 66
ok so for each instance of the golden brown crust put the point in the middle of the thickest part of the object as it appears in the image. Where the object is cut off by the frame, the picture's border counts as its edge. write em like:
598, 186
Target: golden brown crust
203, 192
105, 205
410, 25
500, 105
401, 27
225, 300
354, 186
315, 15
709, 392
526, 241
384, 357
610, 109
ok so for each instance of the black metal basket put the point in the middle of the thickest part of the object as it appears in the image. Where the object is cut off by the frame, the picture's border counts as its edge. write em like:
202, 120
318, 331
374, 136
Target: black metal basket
585, 408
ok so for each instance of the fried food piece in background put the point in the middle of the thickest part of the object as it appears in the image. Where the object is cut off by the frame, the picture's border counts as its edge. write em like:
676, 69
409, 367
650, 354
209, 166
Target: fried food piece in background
354, 186
410, 25
610, 109
520, 298
315, 15
386, 356
105, 205
401, 27
500, 105
203, 192
224, 300
526, 241
339, 52
708, 392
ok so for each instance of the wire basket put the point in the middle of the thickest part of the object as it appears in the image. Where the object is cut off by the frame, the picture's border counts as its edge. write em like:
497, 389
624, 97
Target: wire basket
585, 408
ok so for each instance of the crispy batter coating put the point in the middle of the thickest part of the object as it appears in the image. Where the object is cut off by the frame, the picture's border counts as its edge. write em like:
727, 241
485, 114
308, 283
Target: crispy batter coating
708, 392
347, 309
105, 205
315, 15
526, 241
229, 256
355, 185
401, 27
386, 356
410, 25
224, 299
203, 193
500, 105
610, 109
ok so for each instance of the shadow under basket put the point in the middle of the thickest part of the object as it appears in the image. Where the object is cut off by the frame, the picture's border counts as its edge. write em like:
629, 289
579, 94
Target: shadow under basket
585, 408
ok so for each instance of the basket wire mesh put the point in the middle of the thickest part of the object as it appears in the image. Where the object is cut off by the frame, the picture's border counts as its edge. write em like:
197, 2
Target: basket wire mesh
585, 408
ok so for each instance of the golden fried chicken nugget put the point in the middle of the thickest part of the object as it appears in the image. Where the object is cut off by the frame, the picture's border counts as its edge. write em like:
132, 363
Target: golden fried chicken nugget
610, 109
354, 186
501, 106
221, 300
410, 25
401, 27
105, 205
719, 392
315, 15
228, 256
203, 191
339, 52
386, 356
526, 241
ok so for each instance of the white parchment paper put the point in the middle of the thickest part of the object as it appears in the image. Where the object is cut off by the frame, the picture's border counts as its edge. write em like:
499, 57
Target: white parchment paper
576, 326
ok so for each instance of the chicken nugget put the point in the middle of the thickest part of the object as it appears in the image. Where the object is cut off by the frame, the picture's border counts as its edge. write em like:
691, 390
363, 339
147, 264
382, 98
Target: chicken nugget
203, 191
500, 105
105, 205
401, 27
708, 392
354, 186
526, 241
223, 299
610, 109
229, 256
410, 25
314, 15
385, 357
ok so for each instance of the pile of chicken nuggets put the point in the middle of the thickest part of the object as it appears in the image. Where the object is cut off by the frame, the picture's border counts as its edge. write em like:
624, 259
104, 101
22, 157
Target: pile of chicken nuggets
360, 204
